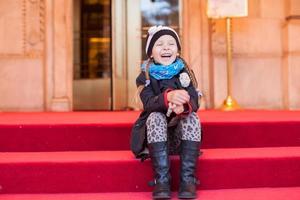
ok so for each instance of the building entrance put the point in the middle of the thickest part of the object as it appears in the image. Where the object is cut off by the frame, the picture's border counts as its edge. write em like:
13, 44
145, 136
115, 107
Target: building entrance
92, 85
109, 42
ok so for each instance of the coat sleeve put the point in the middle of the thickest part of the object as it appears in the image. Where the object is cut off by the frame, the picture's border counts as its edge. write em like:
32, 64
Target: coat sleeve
151, 101
193, 104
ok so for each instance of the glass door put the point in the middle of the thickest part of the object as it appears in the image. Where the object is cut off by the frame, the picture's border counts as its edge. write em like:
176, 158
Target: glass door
92, 86
109, 43
140, 17
163, 12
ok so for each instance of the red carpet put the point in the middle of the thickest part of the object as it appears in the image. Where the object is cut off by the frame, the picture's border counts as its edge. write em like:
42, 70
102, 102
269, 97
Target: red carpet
105, 171
88, 153
292, 193
91, 131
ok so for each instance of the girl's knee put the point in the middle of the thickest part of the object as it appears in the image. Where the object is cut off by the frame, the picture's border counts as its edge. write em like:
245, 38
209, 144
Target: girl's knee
191, 128
156, 117
192, 118
156, 127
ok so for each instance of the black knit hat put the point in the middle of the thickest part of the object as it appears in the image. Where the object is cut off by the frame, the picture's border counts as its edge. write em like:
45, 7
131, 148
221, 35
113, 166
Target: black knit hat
156, 32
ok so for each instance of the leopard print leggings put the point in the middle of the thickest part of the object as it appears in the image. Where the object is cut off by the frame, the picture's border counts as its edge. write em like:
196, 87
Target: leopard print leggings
188, 128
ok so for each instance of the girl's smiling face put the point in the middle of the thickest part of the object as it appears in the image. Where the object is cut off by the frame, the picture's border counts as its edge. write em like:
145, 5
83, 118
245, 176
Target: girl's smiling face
165, 50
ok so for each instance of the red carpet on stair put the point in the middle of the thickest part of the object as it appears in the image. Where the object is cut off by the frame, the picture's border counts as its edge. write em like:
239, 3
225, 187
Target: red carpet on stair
248, 155
107, 171
292, 193
93, 131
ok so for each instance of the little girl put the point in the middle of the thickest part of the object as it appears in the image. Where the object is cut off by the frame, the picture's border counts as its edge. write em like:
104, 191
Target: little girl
169, 123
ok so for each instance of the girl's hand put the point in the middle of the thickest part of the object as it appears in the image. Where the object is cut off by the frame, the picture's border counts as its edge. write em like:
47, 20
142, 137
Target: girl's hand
178, 97
178, 109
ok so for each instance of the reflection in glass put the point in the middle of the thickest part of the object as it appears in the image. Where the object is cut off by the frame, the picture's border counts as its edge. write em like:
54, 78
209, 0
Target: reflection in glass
94, 40
92, 55
158, 12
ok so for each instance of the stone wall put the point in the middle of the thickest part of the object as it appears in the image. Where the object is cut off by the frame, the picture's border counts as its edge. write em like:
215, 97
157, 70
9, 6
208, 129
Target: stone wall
291, 58
22, 52
257, 56
36, 55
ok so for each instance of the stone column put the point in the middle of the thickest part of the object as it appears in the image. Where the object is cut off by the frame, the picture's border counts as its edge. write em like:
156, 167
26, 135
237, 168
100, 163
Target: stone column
291, 59
59, 55
195, 39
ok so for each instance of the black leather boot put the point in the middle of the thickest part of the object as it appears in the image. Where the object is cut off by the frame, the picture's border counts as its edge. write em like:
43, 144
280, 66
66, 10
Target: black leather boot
161, 165
188, 164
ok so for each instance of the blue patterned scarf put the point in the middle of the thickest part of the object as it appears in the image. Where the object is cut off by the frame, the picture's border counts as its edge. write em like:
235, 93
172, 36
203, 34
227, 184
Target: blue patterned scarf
160, 72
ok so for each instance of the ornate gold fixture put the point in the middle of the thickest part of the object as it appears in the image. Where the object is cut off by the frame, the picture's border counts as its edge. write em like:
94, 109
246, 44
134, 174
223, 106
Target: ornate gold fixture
227, 9
229, 103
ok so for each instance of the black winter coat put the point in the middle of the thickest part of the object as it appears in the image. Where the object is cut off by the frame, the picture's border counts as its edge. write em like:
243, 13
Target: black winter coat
153, 99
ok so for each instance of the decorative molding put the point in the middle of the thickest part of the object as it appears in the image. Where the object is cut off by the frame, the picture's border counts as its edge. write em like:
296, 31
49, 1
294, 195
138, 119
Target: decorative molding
42, 17
32, 25
35, 23
27, 55
24, 26
249, 55
33, 32
293, 17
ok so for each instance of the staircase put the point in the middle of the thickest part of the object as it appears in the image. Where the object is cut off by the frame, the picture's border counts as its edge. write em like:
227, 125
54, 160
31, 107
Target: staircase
247, 155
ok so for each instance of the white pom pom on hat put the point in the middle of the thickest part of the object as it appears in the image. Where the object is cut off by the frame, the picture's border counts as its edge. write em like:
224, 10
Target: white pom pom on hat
156, 32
